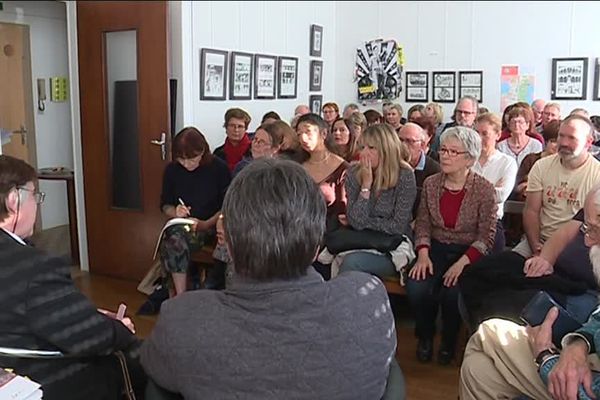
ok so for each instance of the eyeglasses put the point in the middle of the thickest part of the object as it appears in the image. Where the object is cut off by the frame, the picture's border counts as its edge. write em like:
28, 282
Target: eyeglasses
236, 127
465, 112
518, 121
450, 152
588, 230
37, 196
410, 141
260, 142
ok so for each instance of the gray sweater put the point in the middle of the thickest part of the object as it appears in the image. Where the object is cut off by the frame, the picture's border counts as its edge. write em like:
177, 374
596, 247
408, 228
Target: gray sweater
298, 339
389, 212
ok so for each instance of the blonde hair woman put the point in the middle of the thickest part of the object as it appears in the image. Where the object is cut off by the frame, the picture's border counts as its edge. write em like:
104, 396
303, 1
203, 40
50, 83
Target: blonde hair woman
434, 110
380, 192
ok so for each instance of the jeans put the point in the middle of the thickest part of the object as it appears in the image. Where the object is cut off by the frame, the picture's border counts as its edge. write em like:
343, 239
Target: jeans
580, 307
428, 295
375, 264
499, 239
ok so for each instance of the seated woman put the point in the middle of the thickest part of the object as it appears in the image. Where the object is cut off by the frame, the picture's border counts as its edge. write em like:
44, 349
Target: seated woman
550, 134
415, 112
265, 144
344, 139
455, 226
519, 144
532, 131
381, 191
357, 124
193, 187
435, 111
237, 142
279, 332
373, 117
331, 112
393, 116
498, 168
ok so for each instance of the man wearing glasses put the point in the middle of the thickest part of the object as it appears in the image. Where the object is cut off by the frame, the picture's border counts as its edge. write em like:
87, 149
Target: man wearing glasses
42, 310
465, 113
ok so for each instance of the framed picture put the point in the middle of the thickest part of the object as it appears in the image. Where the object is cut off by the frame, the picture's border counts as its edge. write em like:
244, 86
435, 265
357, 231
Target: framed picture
316, 102
240, 76
316, 40
569, 78
287, 84
597, 80
316, 75
417, 84
213, 74
470, 83
444, 87
265, 73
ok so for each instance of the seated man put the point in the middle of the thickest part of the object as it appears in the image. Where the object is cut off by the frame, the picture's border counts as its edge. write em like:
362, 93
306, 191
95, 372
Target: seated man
498, 361
43, 310
556, 190
278, 331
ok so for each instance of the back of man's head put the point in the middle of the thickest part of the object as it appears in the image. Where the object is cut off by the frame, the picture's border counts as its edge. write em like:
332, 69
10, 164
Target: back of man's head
274, 218
14, 173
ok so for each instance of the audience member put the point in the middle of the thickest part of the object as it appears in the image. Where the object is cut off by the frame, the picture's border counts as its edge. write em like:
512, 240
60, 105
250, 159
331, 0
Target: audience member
550, 133
237, 143
482, 110
301, 109
455, 226
279, 331
269, 117
499, 358
519, 144
428, 125
381, 191
551, 113
528, 115
415, 112
350, 109
498, 168
290, 146
344, 139
537, 106
194, 186
357, 123
580, 111
43, 310
331, 112
435, 111
414, 137
266, 143
393, 115
464, 114
373, 117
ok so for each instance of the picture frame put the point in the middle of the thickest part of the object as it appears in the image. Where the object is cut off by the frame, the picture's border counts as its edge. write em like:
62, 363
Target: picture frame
470, 83
316, 103
240, 75
316, 76
444, 86
596, 93
213, 74
316, 40
417, 85
287, 82
265, 76
569, 78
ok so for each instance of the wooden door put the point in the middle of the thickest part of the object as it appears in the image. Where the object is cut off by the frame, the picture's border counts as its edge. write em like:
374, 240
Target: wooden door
16, 113
123, 73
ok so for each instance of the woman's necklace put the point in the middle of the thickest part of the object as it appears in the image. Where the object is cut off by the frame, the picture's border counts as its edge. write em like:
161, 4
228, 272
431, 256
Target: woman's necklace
327, 154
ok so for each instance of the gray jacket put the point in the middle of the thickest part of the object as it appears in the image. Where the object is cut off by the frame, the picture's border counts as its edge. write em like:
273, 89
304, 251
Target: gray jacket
298, 339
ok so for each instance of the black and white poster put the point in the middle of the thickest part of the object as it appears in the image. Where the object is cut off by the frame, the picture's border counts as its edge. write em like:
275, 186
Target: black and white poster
240, 85
378, 70
569, 78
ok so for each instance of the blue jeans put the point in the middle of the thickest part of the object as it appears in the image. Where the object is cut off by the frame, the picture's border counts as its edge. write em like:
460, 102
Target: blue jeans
428, 295
375, 264
580, 307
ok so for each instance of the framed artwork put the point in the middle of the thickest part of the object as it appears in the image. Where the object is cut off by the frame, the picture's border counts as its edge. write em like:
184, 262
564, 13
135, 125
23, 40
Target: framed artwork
444, 87
240, 76
417, 84
213, 74
287, 83
316, 75
569, 78
316, 102
265, 73
597, 80
470, 83
316, 40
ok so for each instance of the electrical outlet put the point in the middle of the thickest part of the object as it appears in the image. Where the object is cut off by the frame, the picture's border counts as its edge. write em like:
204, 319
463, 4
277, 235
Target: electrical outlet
58, 89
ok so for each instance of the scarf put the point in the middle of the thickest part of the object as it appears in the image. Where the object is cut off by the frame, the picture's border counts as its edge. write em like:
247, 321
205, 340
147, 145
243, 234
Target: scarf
234, 154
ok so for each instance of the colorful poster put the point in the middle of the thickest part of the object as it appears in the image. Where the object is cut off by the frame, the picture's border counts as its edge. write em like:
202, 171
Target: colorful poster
515, 86
379, 70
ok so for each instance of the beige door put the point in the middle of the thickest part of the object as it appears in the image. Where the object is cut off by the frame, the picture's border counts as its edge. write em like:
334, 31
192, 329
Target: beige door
16, 113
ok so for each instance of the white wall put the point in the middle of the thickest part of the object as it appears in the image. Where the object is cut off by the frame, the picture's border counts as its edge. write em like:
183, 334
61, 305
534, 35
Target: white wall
274, 28
48, 37
471, 35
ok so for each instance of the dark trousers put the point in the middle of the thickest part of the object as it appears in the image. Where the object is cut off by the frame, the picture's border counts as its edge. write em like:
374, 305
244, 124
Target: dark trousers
428, 295
499, 239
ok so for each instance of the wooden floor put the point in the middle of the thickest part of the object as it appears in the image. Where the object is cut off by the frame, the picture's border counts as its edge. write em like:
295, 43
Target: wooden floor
424, 381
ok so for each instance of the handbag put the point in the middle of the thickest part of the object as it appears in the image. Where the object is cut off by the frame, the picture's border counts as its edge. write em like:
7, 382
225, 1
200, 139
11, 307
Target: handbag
346, 238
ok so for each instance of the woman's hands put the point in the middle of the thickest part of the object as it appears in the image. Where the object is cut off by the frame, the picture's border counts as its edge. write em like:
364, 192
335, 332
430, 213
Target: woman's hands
366, 173
182, 211
422, 267
452, 274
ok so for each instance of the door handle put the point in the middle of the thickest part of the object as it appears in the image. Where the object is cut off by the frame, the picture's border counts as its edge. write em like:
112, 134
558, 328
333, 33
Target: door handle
163, 145
23, 133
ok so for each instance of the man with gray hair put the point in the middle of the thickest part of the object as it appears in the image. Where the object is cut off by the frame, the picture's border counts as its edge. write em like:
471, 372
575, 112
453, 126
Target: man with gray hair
464, 114
551, 113
350, 109
279, 331
498, 361
537, 106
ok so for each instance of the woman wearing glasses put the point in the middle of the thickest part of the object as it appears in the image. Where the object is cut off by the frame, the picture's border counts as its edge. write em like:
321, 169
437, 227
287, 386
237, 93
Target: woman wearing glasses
455, 226
519, 144
237, 143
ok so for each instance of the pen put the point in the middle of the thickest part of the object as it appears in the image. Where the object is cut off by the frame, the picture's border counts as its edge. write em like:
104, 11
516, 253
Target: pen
181, 202
121, 311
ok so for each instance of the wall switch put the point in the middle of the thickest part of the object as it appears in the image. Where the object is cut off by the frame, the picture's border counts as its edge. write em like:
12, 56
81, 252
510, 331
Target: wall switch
58, 89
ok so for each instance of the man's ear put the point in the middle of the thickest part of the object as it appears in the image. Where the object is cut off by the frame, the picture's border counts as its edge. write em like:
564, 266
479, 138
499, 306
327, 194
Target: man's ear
12, 201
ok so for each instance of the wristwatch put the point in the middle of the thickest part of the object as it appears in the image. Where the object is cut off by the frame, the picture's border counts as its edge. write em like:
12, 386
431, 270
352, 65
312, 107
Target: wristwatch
545, 354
